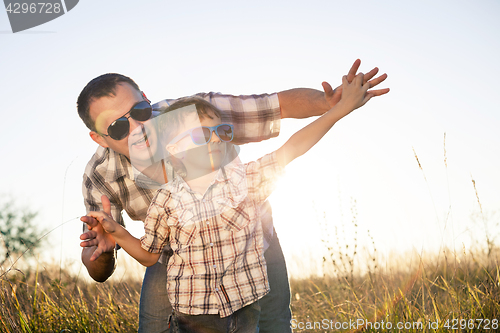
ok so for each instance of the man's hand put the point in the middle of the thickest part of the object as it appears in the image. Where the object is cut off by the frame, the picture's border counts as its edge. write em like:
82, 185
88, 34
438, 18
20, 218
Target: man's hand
333, 96
97, 236
303, 102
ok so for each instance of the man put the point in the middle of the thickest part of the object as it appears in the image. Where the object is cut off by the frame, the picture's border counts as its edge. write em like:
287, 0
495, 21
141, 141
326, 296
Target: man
113, 108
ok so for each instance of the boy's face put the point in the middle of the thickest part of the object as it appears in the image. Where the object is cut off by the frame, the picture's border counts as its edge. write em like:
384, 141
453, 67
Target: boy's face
199, 158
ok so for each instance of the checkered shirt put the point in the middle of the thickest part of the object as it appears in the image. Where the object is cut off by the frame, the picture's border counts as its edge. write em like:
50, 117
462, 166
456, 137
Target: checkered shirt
218, 263
255, 118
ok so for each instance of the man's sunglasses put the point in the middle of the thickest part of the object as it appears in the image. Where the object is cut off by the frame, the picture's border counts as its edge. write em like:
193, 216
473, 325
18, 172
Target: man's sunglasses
118, 130
202, 135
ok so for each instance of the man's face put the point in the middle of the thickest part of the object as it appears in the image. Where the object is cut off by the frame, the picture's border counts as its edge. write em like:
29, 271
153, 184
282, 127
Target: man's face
105, 110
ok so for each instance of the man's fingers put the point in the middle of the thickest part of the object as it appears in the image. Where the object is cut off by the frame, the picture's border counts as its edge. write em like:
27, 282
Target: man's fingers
88, 235
89, 243
98, 251
377, 80
370, 74
106, 205
353, 70
378, 92
327, 88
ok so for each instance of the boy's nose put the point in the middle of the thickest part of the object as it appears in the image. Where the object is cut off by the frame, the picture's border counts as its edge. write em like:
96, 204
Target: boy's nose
214, 137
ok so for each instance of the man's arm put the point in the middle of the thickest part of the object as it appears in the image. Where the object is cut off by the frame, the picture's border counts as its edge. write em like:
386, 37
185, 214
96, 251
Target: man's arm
304, 102
100, 245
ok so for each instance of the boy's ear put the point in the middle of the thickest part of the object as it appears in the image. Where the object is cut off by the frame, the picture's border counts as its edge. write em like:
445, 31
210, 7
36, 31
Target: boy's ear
98, 139
174, 150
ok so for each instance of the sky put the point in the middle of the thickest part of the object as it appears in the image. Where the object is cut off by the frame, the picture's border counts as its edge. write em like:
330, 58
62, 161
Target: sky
440, 57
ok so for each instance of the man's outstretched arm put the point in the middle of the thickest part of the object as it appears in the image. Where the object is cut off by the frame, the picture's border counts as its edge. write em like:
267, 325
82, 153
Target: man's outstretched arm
305, 102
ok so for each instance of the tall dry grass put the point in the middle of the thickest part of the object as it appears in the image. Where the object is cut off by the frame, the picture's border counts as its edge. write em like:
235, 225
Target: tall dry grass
449, 291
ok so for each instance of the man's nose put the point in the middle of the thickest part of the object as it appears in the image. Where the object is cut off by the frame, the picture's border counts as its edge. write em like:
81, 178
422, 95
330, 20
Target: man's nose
135, 126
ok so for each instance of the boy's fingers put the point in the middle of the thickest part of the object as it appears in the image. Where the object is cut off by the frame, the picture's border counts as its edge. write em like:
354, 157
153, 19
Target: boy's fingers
99, 216
89, 220
359, 79
106, 205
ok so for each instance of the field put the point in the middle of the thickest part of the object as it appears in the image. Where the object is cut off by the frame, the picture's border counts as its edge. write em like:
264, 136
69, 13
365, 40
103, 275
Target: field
451, 292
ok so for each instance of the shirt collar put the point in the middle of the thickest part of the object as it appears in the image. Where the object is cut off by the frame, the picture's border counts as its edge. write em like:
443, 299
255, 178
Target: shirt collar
118, 166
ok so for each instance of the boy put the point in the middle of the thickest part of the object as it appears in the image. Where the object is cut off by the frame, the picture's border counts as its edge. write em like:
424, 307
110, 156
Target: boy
217, 273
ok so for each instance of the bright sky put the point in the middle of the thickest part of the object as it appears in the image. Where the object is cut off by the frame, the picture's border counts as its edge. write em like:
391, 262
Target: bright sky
440, 58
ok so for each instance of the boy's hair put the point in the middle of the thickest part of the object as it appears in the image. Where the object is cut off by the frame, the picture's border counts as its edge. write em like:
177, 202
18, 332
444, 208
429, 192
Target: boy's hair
101, 86
170, 121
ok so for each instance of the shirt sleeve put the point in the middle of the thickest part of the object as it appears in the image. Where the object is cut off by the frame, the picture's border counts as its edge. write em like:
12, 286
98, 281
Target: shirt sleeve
155, 226
262, 176
93, 187
254, 117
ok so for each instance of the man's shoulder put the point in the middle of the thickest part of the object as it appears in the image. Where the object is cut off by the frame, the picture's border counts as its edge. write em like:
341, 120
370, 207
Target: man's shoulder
106, 164
99, 160
224, 100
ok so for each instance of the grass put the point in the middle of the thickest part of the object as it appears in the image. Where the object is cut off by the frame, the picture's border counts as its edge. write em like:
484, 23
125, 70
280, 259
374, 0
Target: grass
431, 292
437, 295
449, 291
38, 301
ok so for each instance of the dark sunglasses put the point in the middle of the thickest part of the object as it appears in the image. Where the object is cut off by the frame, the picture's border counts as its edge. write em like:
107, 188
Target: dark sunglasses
202, 135
118, 130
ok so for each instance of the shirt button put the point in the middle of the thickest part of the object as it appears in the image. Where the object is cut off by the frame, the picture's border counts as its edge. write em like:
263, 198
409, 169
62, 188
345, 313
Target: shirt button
211, 244
215, 266
208, 222
216, 289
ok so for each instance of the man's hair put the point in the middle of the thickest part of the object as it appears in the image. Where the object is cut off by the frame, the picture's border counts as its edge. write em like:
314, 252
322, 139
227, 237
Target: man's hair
171, 121
101, 86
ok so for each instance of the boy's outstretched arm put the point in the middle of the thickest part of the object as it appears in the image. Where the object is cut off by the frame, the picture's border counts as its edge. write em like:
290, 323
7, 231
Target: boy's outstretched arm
354, 95
128, 242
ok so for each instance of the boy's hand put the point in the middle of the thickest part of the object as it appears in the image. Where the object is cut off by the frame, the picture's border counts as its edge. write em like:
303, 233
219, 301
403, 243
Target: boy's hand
333, 96
354, 94
98, 235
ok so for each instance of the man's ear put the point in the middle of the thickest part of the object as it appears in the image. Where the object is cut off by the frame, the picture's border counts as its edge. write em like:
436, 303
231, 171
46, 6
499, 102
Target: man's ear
98, 139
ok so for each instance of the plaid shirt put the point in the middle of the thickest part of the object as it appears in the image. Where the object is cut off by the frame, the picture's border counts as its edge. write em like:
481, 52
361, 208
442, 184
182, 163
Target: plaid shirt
218, 263
255, 118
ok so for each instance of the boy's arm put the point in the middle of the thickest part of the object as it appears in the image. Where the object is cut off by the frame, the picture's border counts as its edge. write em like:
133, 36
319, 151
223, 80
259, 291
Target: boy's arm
128, 242
303, 102
354, 95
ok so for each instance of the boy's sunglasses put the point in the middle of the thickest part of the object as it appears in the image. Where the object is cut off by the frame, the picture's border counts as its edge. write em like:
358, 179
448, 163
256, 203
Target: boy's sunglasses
202, 135
119, 128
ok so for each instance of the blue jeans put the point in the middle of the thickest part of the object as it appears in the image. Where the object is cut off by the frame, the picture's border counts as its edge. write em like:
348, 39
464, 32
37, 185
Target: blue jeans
275, 315
244, 320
